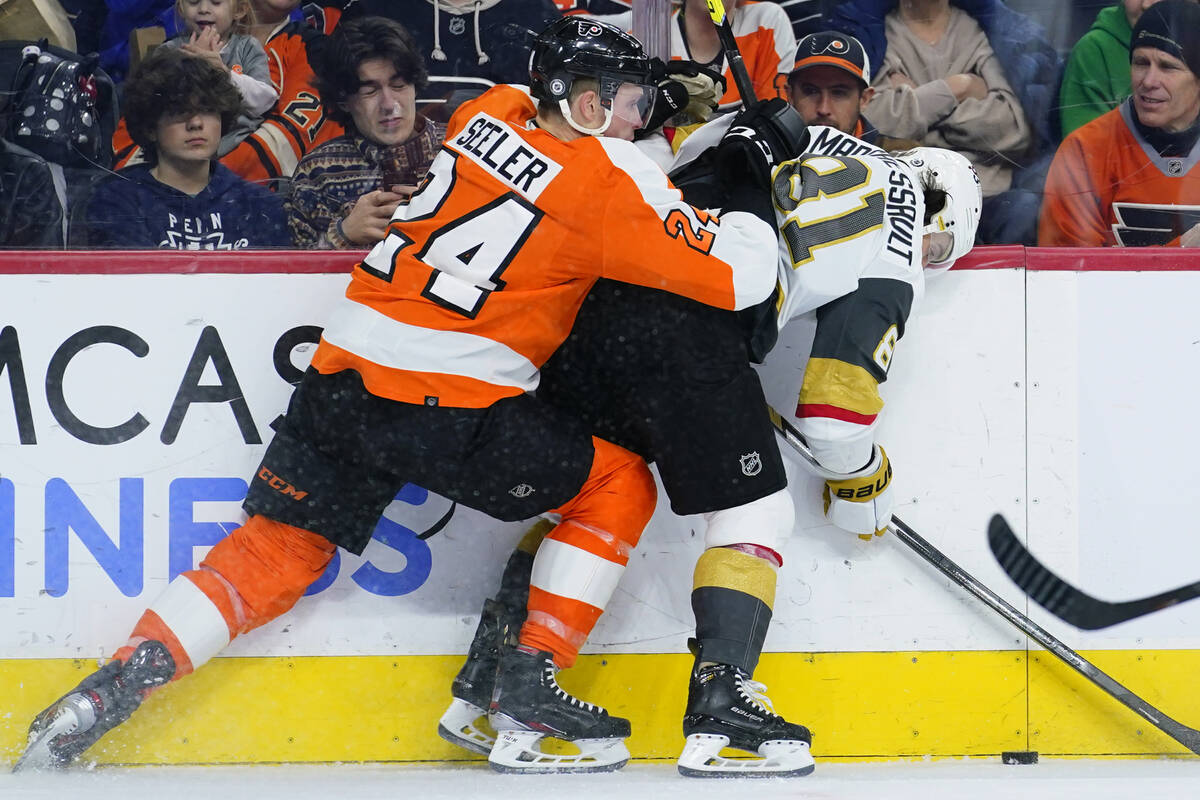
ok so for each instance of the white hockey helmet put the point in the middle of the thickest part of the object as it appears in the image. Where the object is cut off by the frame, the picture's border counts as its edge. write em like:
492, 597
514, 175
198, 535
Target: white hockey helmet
953, 174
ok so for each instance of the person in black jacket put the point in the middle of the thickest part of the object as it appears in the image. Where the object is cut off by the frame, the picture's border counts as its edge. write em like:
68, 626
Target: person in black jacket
176, 108
31, 213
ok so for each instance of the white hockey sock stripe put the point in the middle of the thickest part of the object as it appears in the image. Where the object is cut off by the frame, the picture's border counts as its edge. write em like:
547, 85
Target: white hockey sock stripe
568, 571
194, 619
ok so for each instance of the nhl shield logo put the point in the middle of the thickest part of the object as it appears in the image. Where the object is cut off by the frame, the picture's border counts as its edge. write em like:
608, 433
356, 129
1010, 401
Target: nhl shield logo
458, 26
751, 464
1175, 167
521, 490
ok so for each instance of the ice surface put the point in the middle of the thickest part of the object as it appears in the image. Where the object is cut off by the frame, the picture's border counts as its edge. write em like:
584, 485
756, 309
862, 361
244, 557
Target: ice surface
978, 779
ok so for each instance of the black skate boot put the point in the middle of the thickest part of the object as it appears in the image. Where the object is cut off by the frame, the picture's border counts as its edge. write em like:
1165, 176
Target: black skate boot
529, 705
472, 687
727, 709
101, 702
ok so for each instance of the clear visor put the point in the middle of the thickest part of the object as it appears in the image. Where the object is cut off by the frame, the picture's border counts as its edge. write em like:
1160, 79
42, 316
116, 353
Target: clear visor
634, 103
941, 245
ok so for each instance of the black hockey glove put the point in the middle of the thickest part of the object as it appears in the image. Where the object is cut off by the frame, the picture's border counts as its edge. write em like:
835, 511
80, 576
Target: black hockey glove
760, 138
684, 87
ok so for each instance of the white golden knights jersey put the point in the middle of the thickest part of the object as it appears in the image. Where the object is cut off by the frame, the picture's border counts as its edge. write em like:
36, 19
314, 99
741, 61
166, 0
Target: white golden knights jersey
846, 211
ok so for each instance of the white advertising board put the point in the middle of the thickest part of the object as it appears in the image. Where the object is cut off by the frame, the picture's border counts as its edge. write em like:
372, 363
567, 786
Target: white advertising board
134, 407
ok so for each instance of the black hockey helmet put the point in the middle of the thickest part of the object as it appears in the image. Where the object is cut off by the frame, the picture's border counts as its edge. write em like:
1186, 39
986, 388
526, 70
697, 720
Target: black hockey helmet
574, 47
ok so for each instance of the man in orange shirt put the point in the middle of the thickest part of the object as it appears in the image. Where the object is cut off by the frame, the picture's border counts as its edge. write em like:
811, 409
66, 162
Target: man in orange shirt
424, 374
1130, 177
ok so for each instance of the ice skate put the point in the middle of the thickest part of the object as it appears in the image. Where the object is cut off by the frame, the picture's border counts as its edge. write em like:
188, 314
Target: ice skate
528, 705
101, 702
727, 709
472, 688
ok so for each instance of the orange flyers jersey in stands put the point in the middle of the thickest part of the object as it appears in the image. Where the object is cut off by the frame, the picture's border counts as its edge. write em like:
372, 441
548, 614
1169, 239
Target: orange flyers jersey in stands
481, 274
765, 40
1108, 186
296, 123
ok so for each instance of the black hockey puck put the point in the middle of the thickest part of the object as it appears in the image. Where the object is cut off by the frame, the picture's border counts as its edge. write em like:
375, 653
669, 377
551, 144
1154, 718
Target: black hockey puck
1019, 757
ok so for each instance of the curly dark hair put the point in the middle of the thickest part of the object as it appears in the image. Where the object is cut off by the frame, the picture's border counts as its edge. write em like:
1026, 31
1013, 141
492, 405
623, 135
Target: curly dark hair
363, 39
169, 81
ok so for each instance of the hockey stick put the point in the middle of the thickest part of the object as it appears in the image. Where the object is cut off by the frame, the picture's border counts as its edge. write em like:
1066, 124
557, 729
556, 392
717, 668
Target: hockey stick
741, 77
1061, 598
1188, 737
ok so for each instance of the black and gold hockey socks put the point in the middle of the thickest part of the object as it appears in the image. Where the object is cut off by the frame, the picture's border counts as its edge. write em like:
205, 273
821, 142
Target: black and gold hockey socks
733, 594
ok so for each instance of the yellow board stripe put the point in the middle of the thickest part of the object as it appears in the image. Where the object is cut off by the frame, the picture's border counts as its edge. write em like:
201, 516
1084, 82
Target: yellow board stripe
828, 381
860, 706
723, 568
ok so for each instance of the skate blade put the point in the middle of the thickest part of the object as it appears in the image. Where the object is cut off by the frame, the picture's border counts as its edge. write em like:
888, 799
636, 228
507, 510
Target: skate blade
519, 752
38, 755
460, 725
701, 758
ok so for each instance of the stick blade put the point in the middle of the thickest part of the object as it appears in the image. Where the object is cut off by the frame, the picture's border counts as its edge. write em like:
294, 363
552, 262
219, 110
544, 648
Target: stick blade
1044, 587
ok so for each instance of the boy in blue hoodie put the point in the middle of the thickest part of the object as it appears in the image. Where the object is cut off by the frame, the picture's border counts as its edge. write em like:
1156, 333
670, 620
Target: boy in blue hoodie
176, 109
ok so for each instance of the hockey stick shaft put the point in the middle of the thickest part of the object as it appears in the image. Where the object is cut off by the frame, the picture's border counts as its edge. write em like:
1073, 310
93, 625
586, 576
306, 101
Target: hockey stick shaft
741, 77
1188, 737
1061, 598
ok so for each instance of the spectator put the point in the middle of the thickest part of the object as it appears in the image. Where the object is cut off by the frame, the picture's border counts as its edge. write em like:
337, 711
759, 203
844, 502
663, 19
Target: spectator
31, 213
368, 82
297, 123
1130, 177
1097, 75
216, 30
764, 37
829, 87
470, 38
975, 77
177, 107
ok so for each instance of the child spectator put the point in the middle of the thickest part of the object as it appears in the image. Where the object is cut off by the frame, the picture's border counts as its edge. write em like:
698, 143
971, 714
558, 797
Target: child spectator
345, 191
177, 107
297, 122
218, 31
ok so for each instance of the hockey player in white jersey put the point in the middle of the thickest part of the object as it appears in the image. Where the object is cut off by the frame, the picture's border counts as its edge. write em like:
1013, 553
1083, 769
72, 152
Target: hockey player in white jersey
858, 236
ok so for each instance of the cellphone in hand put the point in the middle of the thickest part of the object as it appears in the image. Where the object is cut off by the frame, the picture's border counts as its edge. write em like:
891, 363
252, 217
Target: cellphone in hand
396, 172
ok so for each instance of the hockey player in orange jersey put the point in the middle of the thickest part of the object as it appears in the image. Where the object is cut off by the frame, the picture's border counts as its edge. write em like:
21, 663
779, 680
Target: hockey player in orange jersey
1131, 178
423, 374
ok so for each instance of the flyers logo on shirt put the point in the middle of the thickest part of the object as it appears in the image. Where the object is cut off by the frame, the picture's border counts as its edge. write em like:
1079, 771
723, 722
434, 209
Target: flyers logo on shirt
1149, 224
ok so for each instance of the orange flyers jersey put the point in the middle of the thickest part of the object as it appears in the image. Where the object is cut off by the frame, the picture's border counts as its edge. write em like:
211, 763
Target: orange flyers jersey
482, 272
767, 44
1107, 186
293, 126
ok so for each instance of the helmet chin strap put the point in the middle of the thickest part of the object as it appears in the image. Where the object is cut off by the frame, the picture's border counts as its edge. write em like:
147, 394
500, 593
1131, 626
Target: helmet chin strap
565, 108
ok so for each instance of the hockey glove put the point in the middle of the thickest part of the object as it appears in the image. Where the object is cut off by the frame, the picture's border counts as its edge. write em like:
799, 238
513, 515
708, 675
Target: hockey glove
686, 90
760, 138
862, 501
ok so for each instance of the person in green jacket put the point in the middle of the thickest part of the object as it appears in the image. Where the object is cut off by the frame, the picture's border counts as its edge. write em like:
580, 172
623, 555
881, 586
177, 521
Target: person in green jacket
1097, 75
